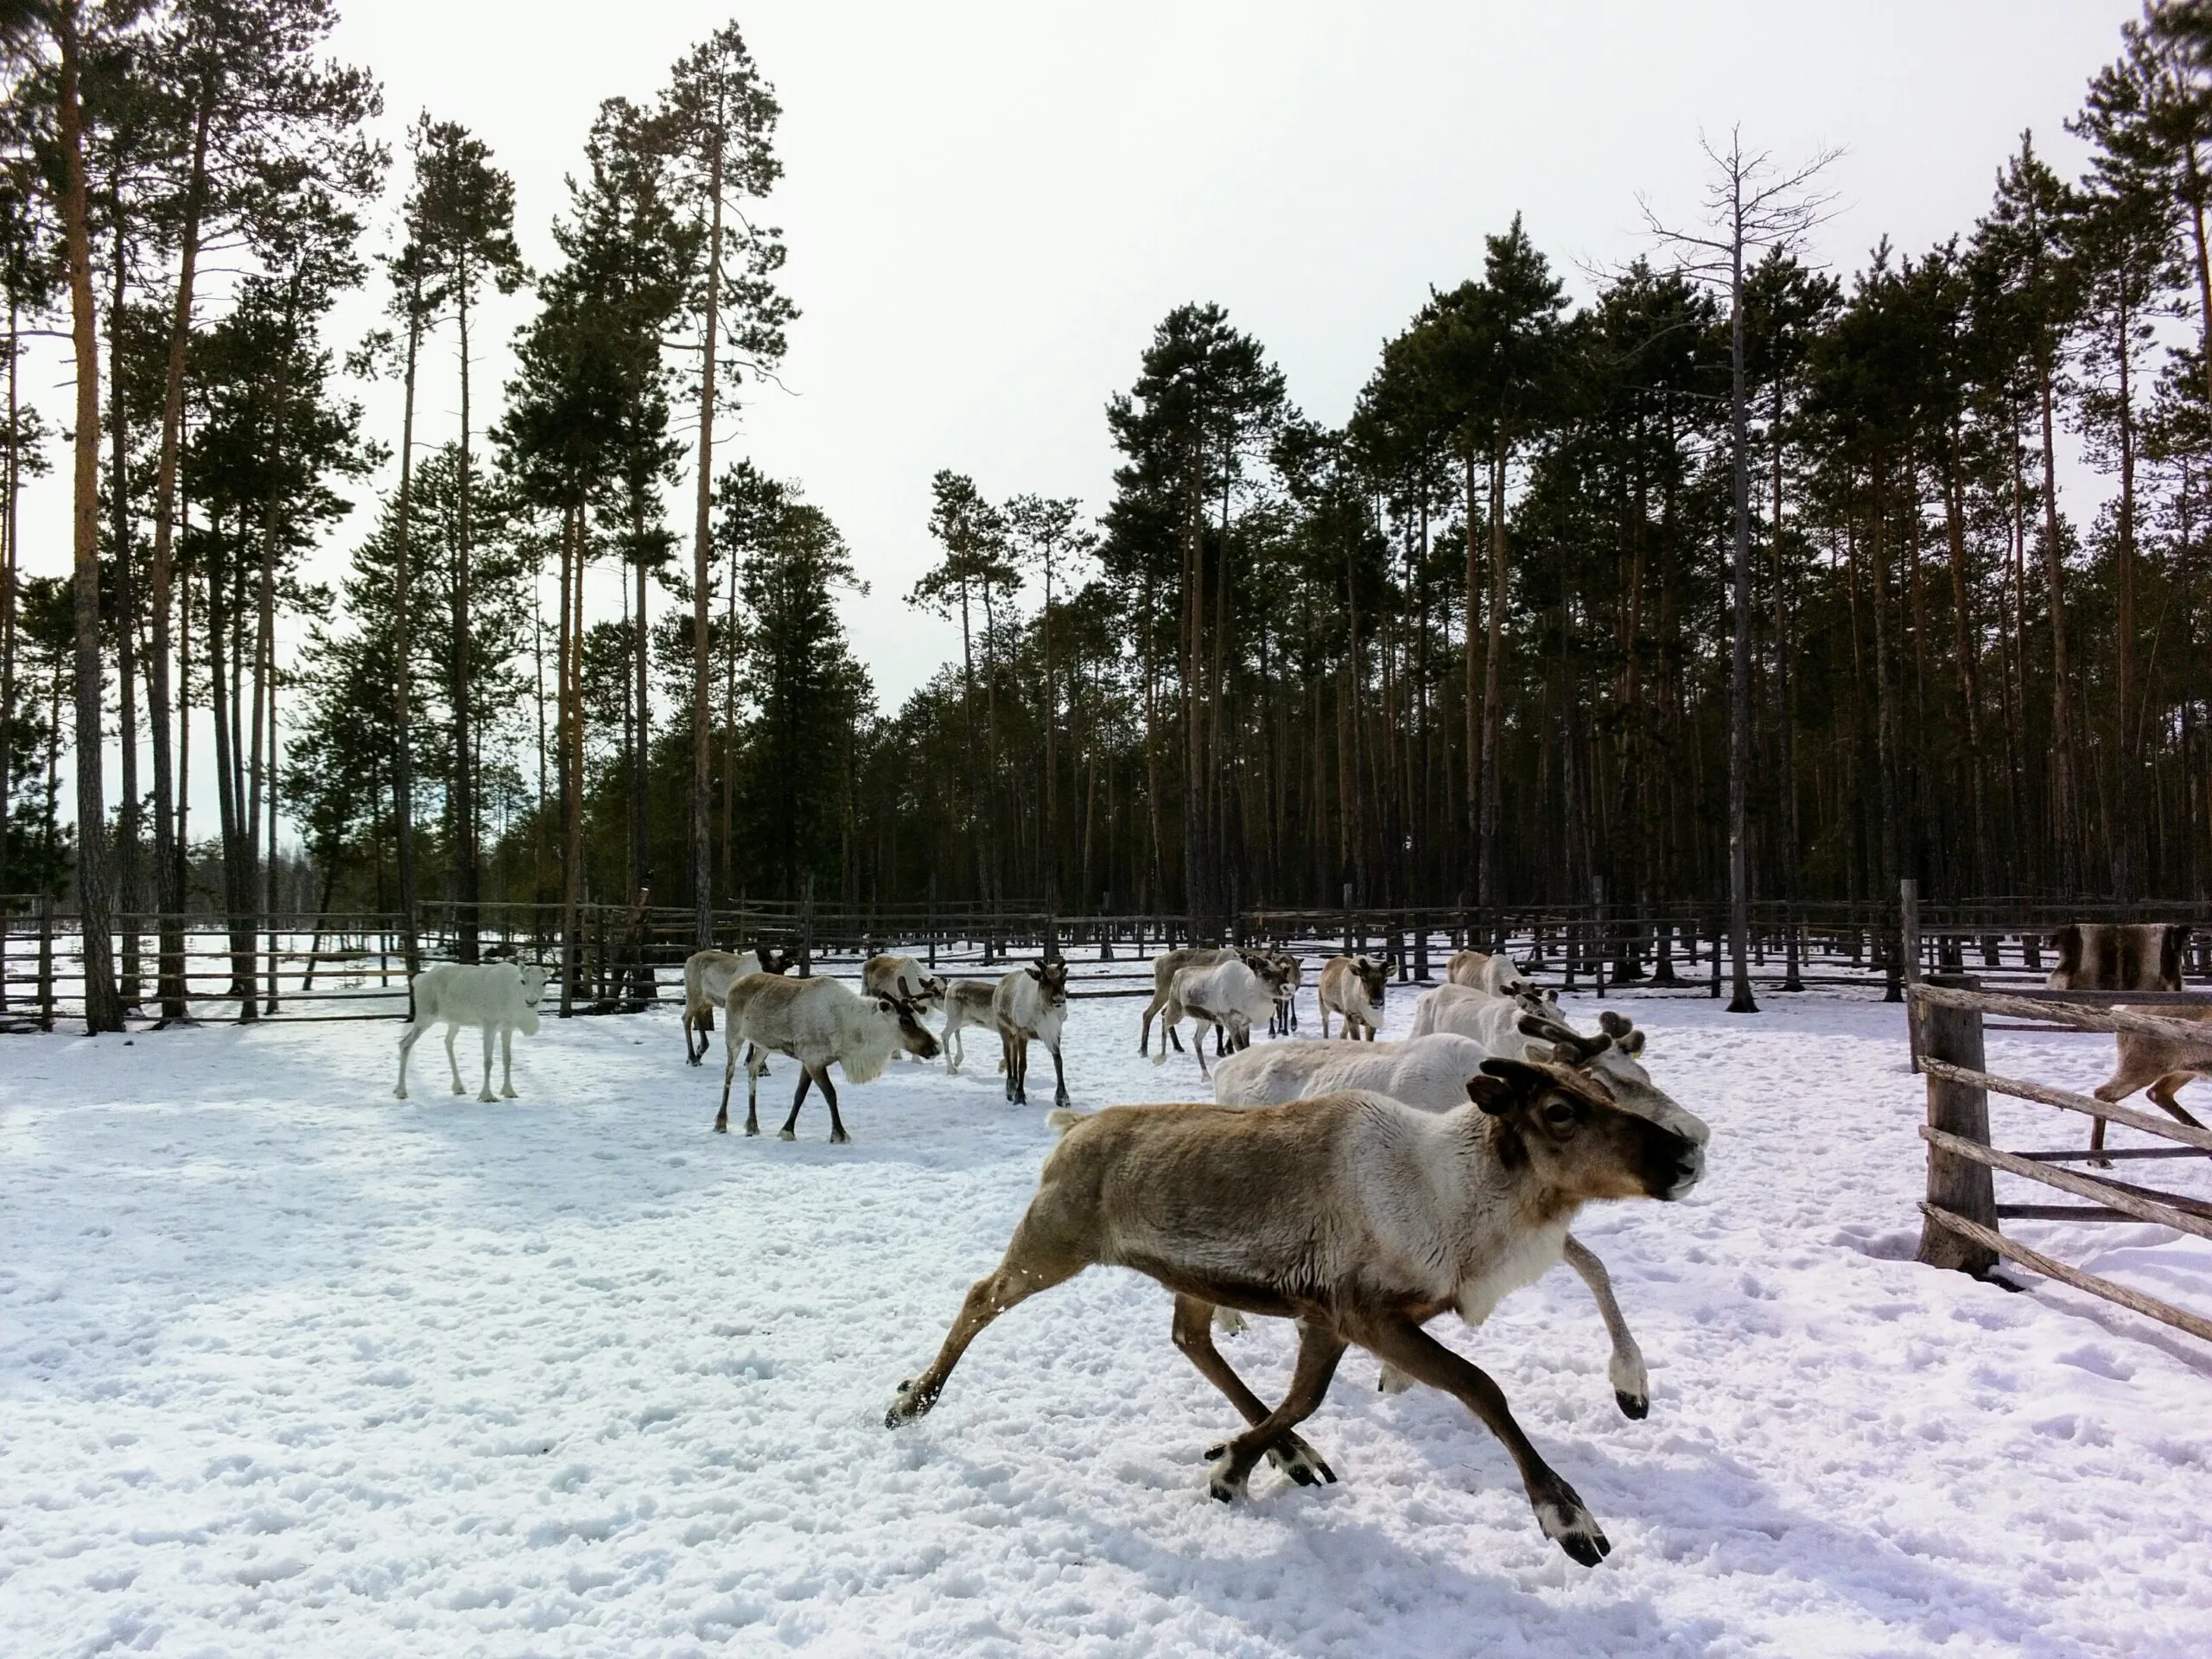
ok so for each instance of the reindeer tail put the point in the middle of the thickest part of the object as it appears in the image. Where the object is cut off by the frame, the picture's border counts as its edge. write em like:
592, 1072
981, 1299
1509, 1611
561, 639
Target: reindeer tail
1060, 1120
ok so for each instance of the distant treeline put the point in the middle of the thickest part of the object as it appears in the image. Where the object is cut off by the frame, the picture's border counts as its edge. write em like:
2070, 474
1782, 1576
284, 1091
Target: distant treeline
1576, 590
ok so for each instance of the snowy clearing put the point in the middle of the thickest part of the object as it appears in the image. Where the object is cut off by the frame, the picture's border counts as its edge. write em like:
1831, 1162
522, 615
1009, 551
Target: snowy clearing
288, 1366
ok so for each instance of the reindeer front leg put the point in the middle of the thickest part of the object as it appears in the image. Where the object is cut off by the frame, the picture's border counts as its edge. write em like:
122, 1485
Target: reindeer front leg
790, 1131
1059, 1078
1631, 1385
506, 1062
1559, 1511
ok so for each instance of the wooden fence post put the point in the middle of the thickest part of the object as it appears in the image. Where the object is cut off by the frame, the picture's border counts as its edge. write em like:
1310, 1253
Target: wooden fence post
1955, 1184
806, 932
1904, 951
1348, 919
46, 961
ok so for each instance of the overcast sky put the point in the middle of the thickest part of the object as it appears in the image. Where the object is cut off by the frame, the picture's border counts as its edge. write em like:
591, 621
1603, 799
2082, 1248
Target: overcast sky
990, 206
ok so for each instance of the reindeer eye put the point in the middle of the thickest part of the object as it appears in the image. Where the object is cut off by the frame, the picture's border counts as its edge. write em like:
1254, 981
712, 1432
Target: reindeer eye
1559, 1114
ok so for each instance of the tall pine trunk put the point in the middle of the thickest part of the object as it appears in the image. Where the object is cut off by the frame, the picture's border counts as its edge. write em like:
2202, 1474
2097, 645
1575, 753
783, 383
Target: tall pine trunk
103, 1007
126, 656
1740, 658
402, 661
1488, 893
467, 888
2065, 786
170, 851
702, 541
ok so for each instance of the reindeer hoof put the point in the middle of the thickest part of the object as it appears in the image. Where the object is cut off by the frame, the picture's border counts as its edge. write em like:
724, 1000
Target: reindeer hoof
784, 1134
839, 1138
508, 1094
908, 1406
1225, 1484
1391, 1380
722, 1128
1632, 1405
1573, 1528
1301, 1462
399, 1094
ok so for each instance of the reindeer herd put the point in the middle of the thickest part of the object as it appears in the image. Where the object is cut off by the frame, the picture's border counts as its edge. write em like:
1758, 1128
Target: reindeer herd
1357, 1187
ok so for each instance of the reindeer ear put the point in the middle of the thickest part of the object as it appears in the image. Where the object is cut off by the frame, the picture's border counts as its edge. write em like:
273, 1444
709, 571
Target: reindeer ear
1037, 973
1517, 1078
1493, 1095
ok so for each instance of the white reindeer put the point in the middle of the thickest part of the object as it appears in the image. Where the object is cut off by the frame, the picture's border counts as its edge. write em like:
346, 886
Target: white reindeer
498, 997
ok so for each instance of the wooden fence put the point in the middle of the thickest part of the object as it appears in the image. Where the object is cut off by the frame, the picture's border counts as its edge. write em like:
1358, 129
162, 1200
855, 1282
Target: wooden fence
1961, 1226
621, 957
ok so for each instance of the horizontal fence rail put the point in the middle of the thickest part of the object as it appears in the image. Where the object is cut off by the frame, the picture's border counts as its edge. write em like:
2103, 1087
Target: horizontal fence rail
611, 957
1961, 1217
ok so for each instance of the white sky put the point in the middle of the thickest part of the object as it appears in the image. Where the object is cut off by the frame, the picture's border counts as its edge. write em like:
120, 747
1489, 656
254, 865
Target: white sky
990, 206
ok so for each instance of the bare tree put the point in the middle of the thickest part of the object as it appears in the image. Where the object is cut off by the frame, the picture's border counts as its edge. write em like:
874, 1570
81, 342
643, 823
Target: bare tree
1750, 206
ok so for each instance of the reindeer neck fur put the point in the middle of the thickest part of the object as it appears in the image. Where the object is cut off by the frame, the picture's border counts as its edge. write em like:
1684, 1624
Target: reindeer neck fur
1489, 1224
870, 1055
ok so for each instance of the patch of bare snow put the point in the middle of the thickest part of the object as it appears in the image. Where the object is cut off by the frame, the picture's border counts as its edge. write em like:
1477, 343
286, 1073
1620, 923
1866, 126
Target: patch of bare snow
289, 1366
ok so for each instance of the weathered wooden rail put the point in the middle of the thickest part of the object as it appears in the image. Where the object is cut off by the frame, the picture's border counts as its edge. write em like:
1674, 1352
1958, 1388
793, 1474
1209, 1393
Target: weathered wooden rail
616, 957
1961, 1227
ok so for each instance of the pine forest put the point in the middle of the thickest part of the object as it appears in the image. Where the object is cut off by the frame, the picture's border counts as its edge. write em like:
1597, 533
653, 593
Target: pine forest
1717, 575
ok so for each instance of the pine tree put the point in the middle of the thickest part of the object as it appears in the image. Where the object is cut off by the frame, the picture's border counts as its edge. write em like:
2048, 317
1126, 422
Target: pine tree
717, 120
461, 218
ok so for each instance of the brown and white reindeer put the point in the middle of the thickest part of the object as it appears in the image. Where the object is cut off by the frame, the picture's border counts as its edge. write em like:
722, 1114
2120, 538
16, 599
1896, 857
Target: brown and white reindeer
1031, 1004
1165, 967
1285, 1019
1353, 987
1226, 996
1430, 1073
1358, 1217
2135, 957
904, 978
1486, 970
967, 1002
707, 975
816, 1021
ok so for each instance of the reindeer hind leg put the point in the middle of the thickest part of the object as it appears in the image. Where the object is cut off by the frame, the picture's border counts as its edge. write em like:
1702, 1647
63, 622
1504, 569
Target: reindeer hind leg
1031, 1264
1193, 1333
1319, 1348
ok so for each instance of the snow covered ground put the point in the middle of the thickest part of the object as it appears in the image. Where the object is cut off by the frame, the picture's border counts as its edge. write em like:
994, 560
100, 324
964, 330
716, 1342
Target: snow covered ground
288, 1366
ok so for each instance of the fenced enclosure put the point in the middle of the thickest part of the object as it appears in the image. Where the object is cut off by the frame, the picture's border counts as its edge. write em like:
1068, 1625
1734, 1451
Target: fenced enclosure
1961, 1227
614, 957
